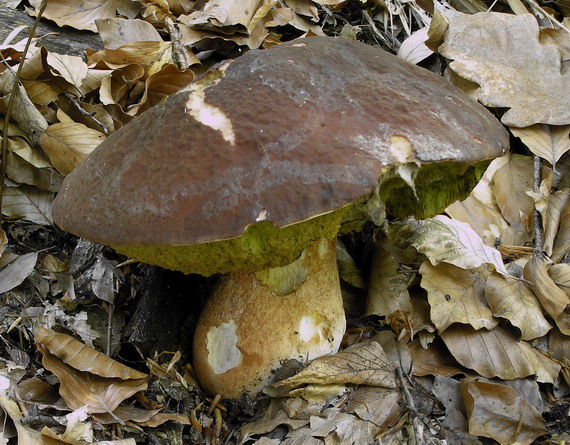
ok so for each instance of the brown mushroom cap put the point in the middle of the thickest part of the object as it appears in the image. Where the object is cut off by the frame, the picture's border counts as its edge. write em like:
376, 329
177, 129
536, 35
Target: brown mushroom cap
281, 135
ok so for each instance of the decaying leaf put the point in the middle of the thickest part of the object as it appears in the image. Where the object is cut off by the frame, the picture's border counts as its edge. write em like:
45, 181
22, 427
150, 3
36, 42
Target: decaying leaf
433, 360
16, 271
442, 239
500, 413
28, 203
498, 353
553, 219
362, 364
80, 15
456, 296
502, 53
547, 141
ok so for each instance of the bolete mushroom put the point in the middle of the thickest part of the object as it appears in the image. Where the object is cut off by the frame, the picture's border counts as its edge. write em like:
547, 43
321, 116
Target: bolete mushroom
254, 169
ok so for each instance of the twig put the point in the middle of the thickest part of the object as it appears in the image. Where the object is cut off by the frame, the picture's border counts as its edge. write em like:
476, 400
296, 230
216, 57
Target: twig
72, 100
15, 86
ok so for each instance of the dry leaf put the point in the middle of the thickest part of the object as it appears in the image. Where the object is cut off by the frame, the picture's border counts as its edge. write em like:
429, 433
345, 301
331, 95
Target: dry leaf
68, 144
73, 69
80, 15
83, 357
553, 218
116, 32
562, 241
388, 287
519, 72
442, 239
498, 353
433, 360
28, 203
456, 296
500, 413
512, 299
17, 271
547, 141
414, 48
361, 364
377, 405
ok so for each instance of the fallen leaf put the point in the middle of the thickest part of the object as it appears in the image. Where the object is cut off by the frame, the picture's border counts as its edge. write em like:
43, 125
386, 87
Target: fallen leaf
552, 220
512, 299
72, 68
456, 296
500, 413
547, 141
442, 239
377, 405
116, 32
17, 271
361, 364
77, 15
498, 353
503, 55
28, 203
414, 49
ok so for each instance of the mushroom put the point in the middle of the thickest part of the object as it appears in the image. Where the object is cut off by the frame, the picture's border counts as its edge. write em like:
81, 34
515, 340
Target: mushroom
254, 169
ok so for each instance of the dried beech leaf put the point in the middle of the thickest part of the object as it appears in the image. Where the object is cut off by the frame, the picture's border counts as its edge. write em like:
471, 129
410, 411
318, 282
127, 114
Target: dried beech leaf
553, 218
498, 353
83, 389
26, 435
442, 239
68, 144
512, 299
388, 286
547, 141
83, 357
414, 48
456, 296
519, 73
160, 418
116, 32
562, 241
150, 55
28, 203
362, 364
433, 360
377, 405
17, 271
559, 345
78, 15
501, 413
71, 68
553, 299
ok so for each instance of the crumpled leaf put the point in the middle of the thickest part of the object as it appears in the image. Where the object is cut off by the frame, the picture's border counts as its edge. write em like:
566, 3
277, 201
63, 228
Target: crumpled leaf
68, 143
83, 357
78, 15
433, 360
361, 364
442, 239
498, 353
519, 73
71, 68
501, 413
512, 299
414, 48
547, 141
17, 271
553, 218
28, 203
116, 32
456, 296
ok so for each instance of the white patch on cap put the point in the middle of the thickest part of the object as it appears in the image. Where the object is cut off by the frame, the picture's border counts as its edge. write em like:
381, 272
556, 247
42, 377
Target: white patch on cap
210, 115
223, 353
401, 148
262, 215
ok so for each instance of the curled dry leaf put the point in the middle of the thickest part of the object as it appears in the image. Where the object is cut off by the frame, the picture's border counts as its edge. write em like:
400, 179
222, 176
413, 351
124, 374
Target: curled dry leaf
456, 296
433, 360
80, 15
414, 48
501, 413
553, 218
553, 299
388, 287
498, 353
520, 73
72, 68
83, 357
14, 273
361, 364
116, 32
547, 141
442, 239
562, 241
67, 144
512, 299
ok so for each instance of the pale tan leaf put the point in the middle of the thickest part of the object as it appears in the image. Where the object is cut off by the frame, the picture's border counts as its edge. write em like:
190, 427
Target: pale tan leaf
512, 299
456, 296
83, 357
377, 405
559, 345
26, 435
40, 93
17, 271
149, 54
547, 141
553, 299
498, 353
442, 239
3, 241
361, 364
71, 68
116, 32
433, 360
82, 389
78, 15
501, 413
562, 241
348, 269
115, 88
160, 418
388, 286
414, 49
552, 219
28, 203
502, 53
225, 13
21, 171
68, 144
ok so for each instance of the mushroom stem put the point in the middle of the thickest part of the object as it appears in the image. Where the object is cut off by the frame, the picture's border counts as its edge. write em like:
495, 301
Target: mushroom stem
255, 321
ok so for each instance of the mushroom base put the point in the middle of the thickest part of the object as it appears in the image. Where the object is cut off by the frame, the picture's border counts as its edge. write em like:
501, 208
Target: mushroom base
255, 321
